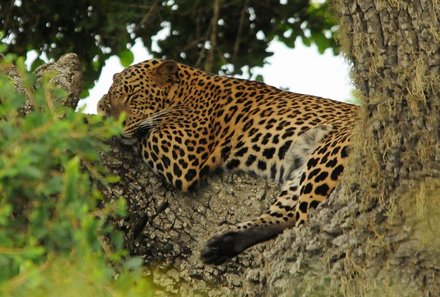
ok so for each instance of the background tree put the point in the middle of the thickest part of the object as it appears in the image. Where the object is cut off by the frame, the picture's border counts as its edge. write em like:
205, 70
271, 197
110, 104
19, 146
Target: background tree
219, 36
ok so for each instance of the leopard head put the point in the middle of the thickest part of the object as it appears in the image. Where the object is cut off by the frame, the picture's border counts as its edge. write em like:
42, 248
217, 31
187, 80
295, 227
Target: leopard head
140, 91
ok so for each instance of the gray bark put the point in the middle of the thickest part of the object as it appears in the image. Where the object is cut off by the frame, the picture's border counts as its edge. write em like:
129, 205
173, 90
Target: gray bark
168, 228
65, 73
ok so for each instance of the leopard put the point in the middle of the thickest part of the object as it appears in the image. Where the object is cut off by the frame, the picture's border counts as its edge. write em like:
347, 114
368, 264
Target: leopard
187, 123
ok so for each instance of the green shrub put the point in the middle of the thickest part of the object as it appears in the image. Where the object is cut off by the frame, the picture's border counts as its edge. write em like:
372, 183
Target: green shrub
52, 234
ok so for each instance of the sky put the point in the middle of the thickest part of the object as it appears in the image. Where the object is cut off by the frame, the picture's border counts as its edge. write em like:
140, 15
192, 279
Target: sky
301, 70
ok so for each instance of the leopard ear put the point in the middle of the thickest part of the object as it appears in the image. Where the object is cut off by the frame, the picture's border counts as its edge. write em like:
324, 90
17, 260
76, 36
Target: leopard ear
167, 72
115, 76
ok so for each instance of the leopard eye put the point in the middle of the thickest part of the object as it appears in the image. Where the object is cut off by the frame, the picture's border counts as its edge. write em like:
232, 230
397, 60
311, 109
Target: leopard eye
129, 97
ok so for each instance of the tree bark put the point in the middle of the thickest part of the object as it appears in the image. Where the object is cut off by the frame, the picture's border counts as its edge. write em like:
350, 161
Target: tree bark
66, 73
168, 228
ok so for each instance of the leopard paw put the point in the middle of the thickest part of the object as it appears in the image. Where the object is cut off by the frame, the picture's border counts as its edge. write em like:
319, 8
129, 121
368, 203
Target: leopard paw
219, 249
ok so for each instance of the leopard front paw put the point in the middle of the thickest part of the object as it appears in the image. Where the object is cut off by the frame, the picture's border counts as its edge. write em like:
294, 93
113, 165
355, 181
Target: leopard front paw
224, 247
219, 249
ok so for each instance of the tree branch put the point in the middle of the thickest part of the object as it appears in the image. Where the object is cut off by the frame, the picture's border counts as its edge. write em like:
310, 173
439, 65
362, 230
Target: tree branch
240, 31
68, 75
153, 9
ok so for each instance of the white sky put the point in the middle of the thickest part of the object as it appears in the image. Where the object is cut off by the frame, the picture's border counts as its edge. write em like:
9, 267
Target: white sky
301, 70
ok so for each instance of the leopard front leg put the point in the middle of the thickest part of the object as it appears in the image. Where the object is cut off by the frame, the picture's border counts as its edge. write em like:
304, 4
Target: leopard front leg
176, 154
238, 238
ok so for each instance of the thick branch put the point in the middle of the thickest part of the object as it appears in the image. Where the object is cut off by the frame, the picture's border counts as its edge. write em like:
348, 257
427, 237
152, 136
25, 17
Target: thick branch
168, 228
67, 75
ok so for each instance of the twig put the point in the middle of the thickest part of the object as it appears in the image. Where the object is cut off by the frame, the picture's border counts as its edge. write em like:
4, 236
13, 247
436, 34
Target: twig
239, 31
150, 12
213, 36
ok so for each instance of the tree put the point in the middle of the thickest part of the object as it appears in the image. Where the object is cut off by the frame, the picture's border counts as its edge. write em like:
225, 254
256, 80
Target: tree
377, 235
214, 35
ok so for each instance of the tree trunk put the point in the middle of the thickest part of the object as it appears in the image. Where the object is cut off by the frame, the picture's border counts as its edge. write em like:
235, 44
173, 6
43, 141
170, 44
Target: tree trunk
378, 234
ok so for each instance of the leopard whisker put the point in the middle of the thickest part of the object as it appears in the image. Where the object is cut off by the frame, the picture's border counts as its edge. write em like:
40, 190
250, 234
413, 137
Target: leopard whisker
157, 117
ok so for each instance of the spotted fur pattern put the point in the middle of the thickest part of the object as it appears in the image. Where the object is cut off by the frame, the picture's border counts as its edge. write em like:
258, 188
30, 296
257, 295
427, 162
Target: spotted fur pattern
188, 123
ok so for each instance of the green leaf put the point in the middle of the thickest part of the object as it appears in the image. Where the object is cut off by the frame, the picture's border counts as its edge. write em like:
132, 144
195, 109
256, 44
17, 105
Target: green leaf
321, 41
60, 93
3, 48
5, 211
121, 207
31, 171
37, 62
126, 57
112, 179
306, 41
71, 179
259, 78
84, 94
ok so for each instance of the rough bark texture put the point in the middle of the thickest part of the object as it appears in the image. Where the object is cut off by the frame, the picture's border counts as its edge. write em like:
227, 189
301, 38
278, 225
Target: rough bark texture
168, 228
65, 73
68, 75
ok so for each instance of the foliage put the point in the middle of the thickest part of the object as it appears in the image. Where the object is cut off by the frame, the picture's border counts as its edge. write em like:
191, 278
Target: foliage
214, 35
51, 230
